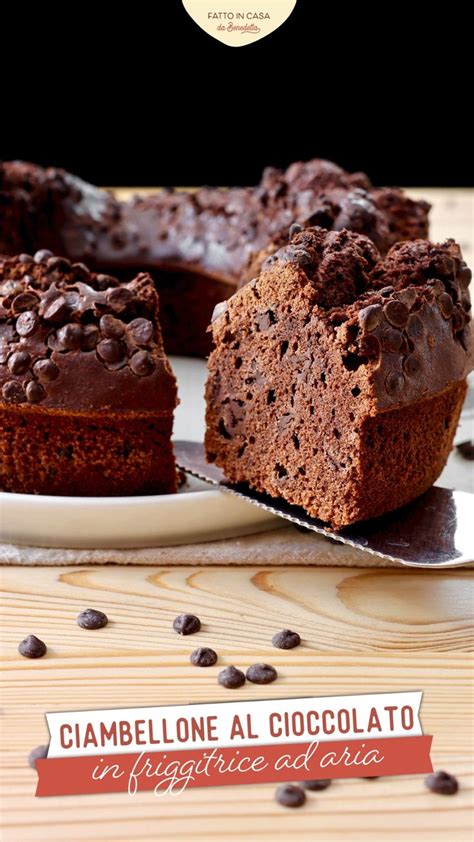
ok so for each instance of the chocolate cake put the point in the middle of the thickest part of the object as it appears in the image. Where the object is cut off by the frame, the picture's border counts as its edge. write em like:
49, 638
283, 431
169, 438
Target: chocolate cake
338, 375
198, 245
86, 392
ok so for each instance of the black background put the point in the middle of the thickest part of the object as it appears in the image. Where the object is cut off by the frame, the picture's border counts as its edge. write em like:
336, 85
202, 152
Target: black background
144, 97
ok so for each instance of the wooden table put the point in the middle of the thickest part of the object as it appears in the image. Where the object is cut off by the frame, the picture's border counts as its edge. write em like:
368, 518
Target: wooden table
363, 630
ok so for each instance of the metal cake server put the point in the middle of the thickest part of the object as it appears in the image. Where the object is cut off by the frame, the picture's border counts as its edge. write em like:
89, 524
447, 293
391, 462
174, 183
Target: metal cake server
437, 530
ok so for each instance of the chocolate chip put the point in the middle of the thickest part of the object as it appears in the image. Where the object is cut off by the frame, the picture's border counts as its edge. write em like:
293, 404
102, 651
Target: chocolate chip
26, 259
35, 392
32, 647
24, 301
394, 382
105, 282
231, 678
90, 337
369, 345
391, 340
464, 276
111, 328
386, 291
261, 674
370, 317
466, 449
57, 310
13, 392
295, 228
458, 319
415, 328
58, 264
396, 312
442, 783
27, 323
290, 795
286, 639
203, 657
46, 370
317, 786
42, 254
141, 331
38, 753
19, 362
445, 304
219, 310
69, 337
92, 619
186, 624
412, 365
142, 364
110, 350
408, 296
119, 299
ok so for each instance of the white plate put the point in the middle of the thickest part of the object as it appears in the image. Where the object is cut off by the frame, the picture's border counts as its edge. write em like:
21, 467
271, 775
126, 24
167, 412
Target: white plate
195, 514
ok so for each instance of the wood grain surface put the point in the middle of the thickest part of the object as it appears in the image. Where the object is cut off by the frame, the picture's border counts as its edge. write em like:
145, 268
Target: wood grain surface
363, 630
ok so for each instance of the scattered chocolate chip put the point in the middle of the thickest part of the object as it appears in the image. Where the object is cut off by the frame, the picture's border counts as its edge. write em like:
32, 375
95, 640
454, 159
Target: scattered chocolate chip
111, 328
186, 624
119, 298
42, 254
231, 678
142, 364
90, 337
290, 795
261, 674
26, 259
19, 362
286, 639
295, 228
110, 350
386, 291
412, 364
458, 319
46, 370
317, 786
396, 312
13, 392
69, 337
203, 657
466, 449
415, 327
27, 323
58, 264
57, 310
92, 619
394, 382
391, 340
24, 301
38, 753
442, 783
369, 345
370, 317
32, 647
141, 331
35, 392
445, 304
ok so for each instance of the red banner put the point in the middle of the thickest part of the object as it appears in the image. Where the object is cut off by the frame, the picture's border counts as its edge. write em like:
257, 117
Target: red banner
174, 771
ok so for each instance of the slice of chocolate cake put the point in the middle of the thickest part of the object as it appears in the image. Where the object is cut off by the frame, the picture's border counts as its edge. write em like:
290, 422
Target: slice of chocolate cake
86, 392
198, 245
338, 376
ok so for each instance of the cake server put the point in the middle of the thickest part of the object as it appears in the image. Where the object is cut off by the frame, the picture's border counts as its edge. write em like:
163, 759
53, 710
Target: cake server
437, 530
